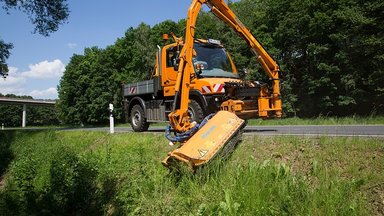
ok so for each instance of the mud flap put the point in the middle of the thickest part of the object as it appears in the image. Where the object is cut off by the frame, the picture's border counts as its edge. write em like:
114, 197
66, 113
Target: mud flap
206, 143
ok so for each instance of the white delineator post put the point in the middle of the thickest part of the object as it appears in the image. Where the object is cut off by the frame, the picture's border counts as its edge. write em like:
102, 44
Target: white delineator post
24, 120
111, 120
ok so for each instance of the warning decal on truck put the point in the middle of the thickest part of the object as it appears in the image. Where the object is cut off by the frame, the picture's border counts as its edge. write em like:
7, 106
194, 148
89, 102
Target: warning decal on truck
216, 88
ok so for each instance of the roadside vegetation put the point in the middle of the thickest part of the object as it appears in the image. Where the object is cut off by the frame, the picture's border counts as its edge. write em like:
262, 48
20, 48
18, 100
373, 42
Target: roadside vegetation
352, 120
94, 173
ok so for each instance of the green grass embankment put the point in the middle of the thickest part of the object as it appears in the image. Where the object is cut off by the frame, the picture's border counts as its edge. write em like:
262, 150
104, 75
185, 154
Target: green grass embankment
94, 173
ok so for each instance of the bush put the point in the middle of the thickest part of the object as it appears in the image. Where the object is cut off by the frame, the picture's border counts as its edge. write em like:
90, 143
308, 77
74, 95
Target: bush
65, 185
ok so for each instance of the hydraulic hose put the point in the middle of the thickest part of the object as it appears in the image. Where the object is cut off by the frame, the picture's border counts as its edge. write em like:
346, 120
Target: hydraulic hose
181, 137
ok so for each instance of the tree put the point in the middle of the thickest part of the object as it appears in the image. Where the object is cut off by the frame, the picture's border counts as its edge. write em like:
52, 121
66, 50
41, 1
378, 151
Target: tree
332, 50
45, 15
94, 79
4, 55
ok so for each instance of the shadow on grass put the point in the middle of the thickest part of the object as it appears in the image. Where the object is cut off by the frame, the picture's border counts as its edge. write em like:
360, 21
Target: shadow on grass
6, 154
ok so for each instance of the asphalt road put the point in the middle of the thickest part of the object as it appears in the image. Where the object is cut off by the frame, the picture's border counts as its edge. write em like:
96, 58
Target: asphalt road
319, 130
296, 130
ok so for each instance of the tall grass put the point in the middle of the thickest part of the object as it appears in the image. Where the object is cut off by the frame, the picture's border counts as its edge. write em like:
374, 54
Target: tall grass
94, 173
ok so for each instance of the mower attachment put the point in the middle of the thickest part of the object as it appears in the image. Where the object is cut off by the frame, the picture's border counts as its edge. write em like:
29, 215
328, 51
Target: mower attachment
215, 136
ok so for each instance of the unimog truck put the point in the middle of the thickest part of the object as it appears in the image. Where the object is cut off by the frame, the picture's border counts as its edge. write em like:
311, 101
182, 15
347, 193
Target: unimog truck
152, 100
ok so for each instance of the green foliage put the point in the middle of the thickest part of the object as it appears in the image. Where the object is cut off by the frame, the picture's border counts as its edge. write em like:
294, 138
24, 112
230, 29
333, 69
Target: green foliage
330, 50
52, 180
4, 55
6, 154
93, 80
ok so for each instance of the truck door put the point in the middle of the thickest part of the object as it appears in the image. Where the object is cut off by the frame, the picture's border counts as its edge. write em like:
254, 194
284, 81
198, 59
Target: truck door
169, 60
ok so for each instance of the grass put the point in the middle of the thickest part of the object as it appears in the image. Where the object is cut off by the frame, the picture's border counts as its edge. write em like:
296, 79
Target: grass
94, 173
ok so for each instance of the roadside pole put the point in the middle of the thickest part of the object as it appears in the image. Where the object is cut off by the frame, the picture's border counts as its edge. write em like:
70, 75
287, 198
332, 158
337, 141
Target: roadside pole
24, 118
111, 119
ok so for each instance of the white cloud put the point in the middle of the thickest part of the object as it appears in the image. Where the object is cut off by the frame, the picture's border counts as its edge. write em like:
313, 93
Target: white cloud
13, 79
71, 45
29, 82
13, 84
45, 70
11, 90
49, 93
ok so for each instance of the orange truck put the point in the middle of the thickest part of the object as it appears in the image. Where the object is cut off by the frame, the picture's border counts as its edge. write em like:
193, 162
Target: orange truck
152, 100
197, 88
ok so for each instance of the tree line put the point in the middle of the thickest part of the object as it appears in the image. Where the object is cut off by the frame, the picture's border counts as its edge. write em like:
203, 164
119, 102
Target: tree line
330, 53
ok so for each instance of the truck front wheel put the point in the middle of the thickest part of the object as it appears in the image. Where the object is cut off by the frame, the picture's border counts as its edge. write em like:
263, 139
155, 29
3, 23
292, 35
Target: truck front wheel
195, 111
138, 120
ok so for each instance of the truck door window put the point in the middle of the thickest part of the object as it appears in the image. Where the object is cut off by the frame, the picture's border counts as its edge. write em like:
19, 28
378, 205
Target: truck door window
171, 56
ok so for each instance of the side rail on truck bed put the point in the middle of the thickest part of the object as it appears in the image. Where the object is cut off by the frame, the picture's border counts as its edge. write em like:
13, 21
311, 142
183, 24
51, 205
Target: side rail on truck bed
139, 88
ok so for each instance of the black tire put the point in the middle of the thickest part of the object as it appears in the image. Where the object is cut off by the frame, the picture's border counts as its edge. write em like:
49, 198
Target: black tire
195, 111
138, 120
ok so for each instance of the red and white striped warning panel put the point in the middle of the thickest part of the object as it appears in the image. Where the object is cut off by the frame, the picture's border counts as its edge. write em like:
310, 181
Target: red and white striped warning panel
206, 89
132, 90
216, 88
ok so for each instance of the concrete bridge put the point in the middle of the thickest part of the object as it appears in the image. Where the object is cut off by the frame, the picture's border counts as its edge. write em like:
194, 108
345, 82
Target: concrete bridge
24, 103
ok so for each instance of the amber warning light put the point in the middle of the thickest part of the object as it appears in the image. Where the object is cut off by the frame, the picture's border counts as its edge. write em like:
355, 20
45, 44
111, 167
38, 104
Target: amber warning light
165, 37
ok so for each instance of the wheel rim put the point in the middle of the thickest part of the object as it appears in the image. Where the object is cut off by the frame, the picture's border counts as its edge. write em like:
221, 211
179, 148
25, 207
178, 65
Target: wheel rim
191, 114
136, 118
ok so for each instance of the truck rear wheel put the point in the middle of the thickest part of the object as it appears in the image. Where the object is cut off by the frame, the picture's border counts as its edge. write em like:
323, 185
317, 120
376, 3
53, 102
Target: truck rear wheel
195, 111
138, 120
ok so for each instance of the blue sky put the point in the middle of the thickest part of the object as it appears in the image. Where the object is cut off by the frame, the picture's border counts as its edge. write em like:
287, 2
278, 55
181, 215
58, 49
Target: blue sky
38, 62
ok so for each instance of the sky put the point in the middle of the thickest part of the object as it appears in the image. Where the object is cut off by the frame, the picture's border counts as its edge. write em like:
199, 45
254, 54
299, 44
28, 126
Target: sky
37, 63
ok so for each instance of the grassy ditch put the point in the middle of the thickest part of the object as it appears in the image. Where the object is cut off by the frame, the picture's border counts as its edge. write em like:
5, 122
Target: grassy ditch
93, 173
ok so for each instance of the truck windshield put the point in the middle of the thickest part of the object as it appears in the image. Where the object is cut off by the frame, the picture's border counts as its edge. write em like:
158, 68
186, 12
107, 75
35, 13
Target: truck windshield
212, 61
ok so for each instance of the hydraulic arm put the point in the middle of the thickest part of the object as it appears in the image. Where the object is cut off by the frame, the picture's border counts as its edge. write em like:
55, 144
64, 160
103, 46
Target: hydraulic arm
179, 119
